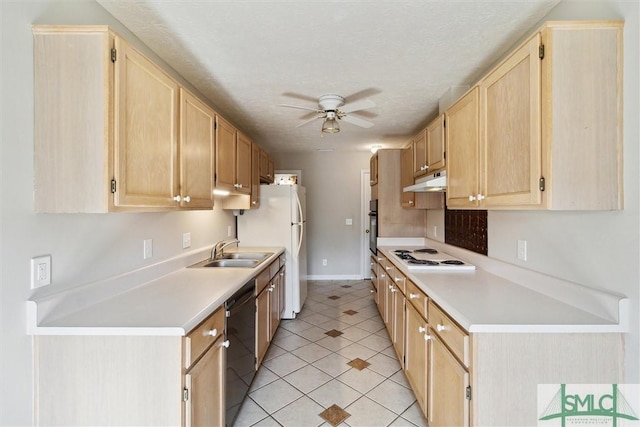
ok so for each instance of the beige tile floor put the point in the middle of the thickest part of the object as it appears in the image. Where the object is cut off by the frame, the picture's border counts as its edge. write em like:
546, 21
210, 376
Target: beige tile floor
306, 371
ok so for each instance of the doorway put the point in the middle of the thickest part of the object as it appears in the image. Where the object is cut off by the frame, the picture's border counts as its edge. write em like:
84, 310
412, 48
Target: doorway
365, 195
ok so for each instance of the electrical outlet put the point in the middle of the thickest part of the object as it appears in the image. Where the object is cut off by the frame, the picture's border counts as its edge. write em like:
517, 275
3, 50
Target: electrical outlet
40, 271
148, 248
522, 250
348, 221
186, 240
435, 231
324, 262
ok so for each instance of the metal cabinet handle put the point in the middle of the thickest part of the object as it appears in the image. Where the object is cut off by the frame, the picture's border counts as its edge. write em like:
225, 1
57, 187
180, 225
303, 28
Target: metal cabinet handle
212, 332
422, 329
387, 268
472, 198
480, 196
397, 279
413, 296
177, 198
427, 337
187, 199
225, 344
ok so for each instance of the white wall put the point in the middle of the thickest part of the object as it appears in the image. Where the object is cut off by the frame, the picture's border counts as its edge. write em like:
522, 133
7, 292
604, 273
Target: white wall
596, 249
332, 180
84, 247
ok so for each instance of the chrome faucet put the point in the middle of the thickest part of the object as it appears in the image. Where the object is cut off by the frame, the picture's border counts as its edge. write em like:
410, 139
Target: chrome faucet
218, 249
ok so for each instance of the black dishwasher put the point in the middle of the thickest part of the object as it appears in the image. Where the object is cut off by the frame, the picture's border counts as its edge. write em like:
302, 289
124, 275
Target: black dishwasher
241, 357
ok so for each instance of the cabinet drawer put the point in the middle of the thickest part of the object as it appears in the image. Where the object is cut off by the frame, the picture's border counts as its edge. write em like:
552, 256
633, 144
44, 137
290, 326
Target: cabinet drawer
274, 267
417, 298
262, 279
453, 336
398, 279
205, 334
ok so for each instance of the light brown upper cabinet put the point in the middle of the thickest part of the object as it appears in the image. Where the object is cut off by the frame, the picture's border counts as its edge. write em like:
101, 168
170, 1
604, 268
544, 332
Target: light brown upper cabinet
266, 168
420, 164
463, 137
436, 145
196, 152
550, 125
255, 176
406, 176
233, 158
106, 124
373, 170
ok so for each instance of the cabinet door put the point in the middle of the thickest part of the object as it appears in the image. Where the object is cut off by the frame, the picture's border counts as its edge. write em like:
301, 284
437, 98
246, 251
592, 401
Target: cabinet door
262, 324
406, 176
510, 100
420, 166
415, 365
382, 299
448, 381
462, 138
373, 170
205, 385
146, 137
243, 164
225, 155
274, 305
255, 176
435, 144
398, 336
196, 152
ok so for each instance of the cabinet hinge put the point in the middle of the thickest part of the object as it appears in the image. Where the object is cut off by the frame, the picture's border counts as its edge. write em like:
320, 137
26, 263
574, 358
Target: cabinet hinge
541, 183
113, 185
468, 392
541, 51
185, 394
114, 54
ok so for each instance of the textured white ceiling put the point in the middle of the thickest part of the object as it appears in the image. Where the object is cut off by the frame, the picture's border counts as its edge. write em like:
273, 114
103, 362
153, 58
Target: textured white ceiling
249, 56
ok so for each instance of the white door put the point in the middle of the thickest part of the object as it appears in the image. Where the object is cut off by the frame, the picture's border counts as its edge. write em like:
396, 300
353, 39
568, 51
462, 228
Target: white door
365, 254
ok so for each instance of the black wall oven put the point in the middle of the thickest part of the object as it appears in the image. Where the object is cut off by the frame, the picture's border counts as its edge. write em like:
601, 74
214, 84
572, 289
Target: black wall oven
373, 226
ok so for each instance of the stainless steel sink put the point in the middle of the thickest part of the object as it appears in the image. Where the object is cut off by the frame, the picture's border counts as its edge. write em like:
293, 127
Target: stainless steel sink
234, 259
246, 255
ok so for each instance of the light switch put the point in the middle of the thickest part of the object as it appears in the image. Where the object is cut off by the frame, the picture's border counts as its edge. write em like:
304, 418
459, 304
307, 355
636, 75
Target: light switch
148, 248
522, 250
186, 240
349, 221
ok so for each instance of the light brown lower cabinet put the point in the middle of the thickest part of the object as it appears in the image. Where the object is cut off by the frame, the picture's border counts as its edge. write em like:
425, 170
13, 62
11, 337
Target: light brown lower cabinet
205, 388
269, 304
416, 356
448, 402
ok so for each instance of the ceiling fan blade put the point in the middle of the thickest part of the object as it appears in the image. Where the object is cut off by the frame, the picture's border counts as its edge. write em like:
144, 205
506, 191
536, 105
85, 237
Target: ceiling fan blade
300, 108
358, 105
309, 121
357, 121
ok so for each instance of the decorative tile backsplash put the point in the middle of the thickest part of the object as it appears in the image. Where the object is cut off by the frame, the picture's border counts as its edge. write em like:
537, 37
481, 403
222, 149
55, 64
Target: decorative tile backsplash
466, 229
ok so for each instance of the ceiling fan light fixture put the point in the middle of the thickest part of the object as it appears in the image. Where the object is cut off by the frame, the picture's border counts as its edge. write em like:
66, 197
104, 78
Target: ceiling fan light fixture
330, 126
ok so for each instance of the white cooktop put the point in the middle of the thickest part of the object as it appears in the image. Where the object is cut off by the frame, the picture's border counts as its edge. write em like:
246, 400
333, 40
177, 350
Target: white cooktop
429, 259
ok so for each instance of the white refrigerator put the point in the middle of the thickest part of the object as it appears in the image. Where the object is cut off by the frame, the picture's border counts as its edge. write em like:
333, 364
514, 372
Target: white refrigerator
281, 221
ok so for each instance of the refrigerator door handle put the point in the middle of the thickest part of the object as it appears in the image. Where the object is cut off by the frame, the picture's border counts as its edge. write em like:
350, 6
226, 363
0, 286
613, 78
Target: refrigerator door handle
300, 222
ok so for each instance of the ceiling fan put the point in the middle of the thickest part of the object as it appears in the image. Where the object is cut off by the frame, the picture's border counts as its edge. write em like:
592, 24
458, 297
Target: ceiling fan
332, 108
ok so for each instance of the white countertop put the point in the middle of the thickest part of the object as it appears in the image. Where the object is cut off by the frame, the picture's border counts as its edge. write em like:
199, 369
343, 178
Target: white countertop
483, 302
172, 304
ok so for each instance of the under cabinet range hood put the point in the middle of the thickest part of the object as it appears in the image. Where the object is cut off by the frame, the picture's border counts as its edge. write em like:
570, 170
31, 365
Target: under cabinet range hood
433, 182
